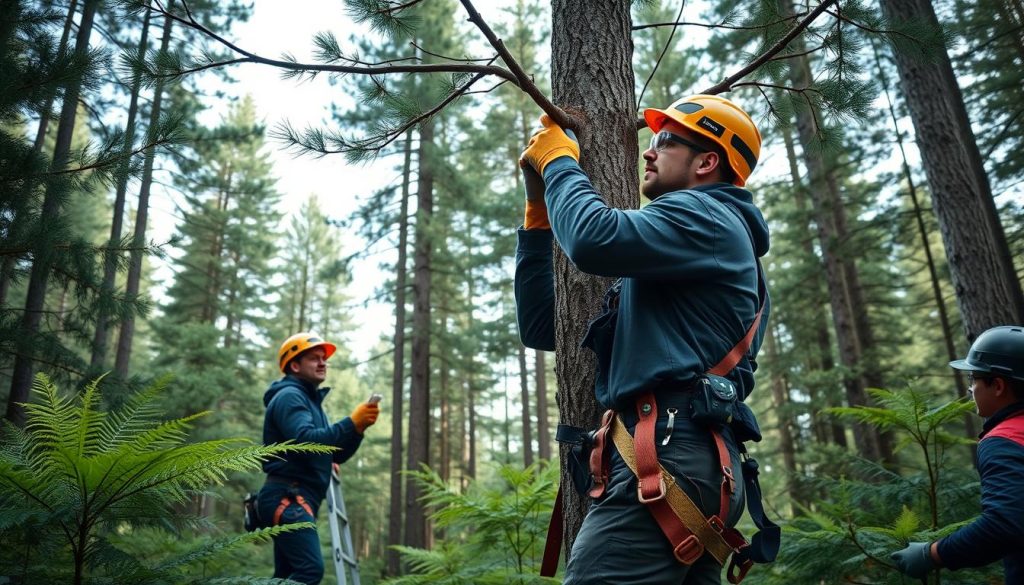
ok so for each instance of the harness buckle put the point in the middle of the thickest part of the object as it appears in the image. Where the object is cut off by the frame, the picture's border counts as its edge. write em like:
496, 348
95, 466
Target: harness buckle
689, 550
728, 479
662, 491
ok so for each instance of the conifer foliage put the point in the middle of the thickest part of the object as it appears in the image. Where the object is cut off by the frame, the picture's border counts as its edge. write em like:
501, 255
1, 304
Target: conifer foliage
76, 473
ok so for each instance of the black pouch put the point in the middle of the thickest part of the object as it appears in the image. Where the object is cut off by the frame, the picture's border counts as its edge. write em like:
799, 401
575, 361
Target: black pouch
744, 424
714, 401
251, 510
579, 455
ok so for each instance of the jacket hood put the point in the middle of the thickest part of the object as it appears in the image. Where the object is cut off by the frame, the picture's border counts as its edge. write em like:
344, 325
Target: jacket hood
285, 382
742, 201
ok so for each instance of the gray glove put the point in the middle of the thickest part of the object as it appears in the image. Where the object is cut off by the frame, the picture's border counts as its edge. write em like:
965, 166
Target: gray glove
915, 560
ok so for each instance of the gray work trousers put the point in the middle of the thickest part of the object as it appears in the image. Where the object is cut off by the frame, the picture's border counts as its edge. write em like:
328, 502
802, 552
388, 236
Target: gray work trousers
620, 543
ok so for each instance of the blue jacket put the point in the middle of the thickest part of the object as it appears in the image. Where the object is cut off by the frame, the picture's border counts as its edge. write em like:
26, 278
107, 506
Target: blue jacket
688, 287
294, 412
999, 532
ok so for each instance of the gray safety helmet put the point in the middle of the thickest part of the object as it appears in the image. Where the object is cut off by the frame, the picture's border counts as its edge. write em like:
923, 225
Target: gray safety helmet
998, 351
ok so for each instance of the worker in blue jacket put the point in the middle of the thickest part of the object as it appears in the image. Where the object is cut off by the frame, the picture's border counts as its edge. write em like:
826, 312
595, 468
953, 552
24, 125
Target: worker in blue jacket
297, 483
687, 292
995, 365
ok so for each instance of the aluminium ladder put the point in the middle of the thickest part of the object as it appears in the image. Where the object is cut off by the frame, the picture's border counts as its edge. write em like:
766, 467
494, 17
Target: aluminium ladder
342, 551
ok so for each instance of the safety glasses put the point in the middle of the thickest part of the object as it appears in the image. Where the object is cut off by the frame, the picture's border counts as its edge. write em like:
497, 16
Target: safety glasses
661, 139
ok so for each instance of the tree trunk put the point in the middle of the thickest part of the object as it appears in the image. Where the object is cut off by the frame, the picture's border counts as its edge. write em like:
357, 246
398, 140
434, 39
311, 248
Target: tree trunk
596, 33
985, 281
543, 428
124, 341
780, 401
21, 376
445, 451
398, 370
524, 388
823, 427
419, 399
933, 273
101, 337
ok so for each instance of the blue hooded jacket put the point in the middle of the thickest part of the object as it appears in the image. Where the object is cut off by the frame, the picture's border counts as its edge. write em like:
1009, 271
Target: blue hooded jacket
687, 289
999, 532
294, 411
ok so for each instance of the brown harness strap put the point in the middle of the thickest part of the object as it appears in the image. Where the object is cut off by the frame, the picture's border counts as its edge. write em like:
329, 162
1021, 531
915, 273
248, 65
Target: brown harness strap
680, 519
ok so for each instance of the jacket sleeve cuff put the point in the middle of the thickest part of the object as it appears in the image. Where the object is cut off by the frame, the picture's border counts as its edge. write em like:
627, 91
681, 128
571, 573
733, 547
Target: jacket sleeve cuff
535, 240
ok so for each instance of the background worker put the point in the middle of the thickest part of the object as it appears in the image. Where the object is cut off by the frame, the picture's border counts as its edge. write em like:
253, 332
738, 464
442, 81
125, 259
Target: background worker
995, 365
297, 482
686, 295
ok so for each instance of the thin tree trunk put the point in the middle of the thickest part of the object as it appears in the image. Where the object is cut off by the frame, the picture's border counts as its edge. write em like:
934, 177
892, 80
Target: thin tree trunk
445, 451
781, 401
961, 195
398, 370
543, 427
10, 261
101, 336
42, 260
124, 342
581, 30
419, 400
524, 388
824, 427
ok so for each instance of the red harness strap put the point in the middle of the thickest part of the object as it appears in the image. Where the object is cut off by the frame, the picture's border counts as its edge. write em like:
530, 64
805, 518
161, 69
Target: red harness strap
599, 456
553, 545
285, 502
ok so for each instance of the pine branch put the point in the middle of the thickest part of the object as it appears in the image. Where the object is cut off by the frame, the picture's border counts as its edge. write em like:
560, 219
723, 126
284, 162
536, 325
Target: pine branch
721, 24
522, 80
727, 83
298, 68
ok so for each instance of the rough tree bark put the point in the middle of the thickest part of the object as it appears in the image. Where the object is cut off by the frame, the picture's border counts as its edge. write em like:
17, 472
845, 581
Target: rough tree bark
591, 71
987, 288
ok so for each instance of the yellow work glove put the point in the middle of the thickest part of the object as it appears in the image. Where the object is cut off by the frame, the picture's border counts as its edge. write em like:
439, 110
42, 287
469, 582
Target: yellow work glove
549, 143
365, 415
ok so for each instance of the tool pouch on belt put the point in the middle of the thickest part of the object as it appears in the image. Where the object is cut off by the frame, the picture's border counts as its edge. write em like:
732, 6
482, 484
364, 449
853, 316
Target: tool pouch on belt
581, 443
251, 519
714, 401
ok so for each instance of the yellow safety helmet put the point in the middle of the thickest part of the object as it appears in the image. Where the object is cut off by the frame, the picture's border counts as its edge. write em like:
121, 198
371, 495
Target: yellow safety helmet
299, 343
722, 122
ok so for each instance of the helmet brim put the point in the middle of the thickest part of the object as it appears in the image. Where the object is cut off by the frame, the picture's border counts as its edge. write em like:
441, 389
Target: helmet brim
966, 366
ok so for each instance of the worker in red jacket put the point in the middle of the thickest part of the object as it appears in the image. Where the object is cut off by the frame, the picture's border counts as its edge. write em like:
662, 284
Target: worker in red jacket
995, 366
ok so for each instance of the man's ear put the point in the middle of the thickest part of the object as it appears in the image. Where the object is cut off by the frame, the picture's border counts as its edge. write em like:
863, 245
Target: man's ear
292, 367
708, 163
1000, 387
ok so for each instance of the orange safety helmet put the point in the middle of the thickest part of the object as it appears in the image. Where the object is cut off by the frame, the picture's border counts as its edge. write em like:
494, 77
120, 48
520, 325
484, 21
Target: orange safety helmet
300, 342
719, 120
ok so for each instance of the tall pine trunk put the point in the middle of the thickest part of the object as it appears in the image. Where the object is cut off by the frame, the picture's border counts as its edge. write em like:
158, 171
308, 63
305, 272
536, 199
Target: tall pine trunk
823, 360
124, 341
597, 32
780, 402
398, 370
101, 336
42, 255
419, 399
933, 273
987, 288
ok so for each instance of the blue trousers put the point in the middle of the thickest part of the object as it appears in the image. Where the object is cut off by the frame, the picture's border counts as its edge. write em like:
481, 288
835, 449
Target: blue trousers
297, 554
620, 543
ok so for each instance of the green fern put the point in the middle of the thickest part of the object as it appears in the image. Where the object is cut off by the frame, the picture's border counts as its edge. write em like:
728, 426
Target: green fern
76, 474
